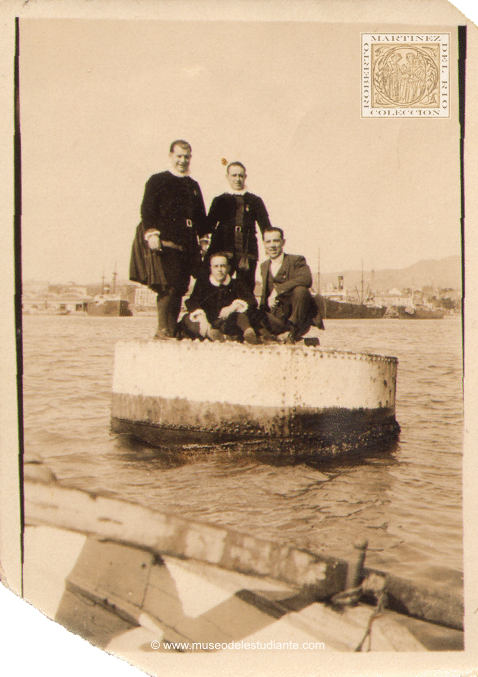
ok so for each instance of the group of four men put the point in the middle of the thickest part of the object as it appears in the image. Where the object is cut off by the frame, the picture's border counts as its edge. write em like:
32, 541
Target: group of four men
166, 253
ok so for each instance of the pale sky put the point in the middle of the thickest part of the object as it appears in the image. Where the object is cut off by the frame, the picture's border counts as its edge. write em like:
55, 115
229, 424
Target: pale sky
101, 101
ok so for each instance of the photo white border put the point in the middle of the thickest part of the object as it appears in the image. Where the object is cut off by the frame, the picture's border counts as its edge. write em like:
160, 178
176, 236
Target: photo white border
61, 656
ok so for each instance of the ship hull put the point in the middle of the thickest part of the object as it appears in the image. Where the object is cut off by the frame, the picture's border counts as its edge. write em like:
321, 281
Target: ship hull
338, 310
420, 313
114, 308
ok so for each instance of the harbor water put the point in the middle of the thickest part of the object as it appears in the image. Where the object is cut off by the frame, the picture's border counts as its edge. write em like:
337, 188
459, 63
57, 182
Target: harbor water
406, 500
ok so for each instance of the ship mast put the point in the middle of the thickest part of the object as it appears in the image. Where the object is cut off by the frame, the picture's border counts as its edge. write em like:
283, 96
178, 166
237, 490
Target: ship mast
114, 279
324, 307
361, 297
318, 273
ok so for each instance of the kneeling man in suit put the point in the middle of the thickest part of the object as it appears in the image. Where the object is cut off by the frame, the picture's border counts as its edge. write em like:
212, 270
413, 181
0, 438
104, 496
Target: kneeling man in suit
218, 306
286, 302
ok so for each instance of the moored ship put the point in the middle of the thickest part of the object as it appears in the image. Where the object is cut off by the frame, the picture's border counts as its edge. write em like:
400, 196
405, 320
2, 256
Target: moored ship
420, 313
337, 305
109, 305
346, 310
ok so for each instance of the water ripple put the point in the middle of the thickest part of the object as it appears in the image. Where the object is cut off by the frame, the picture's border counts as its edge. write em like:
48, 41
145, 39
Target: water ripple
406, 503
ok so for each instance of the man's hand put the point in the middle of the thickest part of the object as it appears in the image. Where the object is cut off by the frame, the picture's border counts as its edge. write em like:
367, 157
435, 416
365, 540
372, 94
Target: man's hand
196, 315
225, 312
237, 306
154, 242
199, 316
273, 298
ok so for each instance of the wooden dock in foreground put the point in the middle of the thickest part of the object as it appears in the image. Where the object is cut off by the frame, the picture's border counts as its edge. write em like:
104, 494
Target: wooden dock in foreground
138, 582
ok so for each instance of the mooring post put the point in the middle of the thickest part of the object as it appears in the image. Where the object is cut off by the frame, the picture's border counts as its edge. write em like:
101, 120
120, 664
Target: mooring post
355, 568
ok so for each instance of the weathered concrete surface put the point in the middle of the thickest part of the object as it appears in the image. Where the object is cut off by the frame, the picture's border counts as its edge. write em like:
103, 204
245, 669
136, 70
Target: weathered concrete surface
185, 391
268, 376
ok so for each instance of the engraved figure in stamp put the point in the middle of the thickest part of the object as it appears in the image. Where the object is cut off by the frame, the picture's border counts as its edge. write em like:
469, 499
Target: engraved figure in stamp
405, 75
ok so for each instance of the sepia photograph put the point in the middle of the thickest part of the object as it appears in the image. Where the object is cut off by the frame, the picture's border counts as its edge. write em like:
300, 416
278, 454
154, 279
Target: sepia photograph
234, 419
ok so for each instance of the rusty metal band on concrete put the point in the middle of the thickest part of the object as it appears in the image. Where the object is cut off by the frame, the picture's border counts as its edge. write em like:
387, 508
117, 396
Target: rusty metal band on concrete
242, 421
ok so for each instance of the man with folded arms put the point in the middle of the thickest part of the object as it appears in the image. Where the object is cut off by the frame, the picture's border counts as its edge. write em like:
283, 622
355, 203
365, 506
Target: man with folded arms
218, 306
286, 302
165, 250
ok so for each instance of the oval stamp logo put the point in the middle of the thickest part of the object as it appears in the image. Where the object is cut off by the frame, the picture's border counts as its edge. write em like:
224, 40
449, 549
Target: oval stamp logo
405, 75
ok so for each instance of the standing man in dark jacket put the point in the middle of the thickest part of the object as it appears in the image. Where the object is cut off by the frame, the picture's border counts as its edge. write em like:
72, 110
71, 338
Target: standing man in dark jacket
232, 221
286, 302
165, 250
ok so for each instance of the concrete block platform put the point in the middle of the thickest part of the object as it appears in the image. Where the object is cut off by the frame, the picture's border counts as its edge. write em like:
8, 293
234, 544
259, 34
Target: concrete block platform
294, 399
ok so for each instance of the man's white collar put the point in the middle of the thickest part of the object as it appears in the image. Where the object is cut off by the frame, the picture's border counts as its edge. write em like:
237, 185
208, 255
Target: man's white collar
275, 264
237, 192
176, 173
213, 281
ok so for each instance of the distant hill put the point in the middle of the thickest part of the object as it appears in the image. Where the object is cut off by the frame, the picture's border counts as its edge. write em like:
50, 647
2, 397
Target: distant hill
442, 274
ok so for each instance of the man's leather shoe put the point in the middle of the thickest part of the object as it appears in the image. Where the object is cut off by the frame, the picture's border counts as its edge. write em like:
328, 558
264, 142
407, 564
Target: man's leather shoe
293, 336
268, 337
290, 338
162, 334
215, 335
250, 337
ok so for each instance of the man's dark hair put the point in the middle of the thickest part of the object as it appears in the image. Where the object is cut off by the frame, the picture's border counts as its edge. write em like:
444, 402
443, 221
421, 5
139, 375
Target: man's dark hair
273, 229
222, 254
236, 164
182, 143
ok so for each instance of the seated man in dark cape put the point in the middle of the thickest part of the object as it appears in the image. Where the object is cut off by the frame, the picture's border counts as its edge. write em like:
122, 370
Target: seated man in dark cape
286, 302
218, 306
